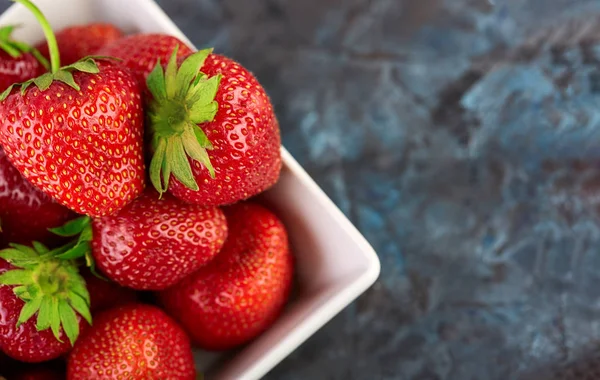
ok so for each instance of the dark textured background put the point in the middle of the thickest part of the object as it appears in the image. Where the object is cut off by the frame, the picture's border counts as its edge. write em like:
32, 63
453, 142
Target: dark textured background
462, 137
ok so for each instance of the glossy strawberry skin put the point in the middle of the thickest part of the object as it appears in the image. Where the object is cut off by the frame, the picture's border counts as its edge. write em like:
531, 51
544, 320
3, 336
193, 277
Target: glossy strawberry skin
76, 42
25, 343
106, 294
133, 342
245, 136
17, 70
26, 213
153, 243
242, 291
141, 52
83, 148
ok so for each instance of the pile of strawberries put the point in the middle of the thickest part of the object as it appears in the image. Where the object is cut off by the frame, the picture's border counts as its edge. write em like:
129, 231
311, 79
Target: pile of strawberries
130, 230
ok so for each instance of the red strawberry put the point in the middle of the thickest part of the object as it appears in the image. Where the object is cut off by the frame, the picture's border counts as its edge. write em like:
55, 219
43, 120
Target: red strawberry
26, 213
106, 294
18, 61
140, 52
242, 291
76, 42
222, 109
132, 342
76, 133
152, 243
35, 281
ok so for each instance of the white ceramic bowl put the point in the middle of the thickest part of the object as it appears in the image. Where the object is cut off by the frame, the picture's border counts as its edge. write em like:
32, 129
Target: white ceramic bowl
335, 264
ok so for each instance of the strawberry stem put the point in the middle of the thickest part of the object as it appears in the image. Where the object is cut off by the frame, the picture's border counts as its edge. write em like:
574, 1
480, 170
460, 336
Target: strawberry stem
48, 33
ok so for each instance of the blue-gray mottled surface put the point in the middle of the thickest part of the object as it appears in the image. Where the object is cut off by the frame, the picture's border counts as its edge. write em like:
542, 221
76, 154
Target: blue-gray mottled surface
462, 137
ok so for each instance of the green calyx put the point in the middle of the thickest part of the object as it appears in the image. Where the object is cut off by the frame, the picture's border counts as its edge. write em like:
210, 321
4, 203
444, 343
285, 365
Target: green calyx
50, 286
64, 74
183, 97
57, 73
17, 48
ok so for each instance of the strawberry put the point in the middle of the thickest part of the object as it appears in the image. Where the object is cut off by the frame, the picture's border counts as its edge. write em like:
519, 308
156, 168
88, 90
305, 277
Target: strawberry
77, 132
106, 294
140, 52
213, 130
26, 213
34, 280
242, 291
78, 41
152, 243
132, 342
18, 61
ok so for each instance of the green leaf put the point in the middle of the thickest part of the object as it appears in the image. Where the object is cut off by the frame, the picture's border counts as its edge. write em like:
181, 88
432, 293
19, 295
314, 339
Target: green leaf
201, 137
16, 277
78, 287
156, 165
87, 234
78, 251
66, 77
10, 49
180, 164
80, 306
43, 81
55, 319
72, 227
189, 70
6, 92
15, 256
86, 65
195, 151
204, 91
5, 32
39, 247
23, 292
23, 248
171, 74
156, 82
28, 310
166, 171
44, 314
201, 113
91, 264
68, 319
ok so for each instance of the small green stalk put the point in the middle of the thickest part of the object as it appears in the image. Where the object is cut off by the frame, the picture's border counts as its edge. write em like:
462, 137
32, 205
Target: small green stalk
182, 98
48, 33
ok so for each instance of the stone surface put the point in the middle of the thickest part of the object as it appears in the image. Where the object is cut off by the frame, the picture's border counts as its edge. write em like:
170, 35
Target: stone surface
462, 137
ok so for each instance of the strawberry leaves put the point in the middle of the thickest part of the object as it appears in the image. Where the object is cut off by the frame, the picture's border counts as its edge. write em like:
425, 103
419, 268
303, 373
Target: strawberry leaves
49, 286
64, 74
182, 98
17, 48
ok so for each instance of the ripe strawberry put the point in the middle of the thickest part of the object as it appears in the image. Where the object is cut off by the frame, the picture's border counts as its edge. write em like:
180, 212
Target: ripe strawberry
222, 109
78, 41
242, 291
132, 342
34, 280
106, 294
152, 243
18, 61
140, 52
76, 133
26, 213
